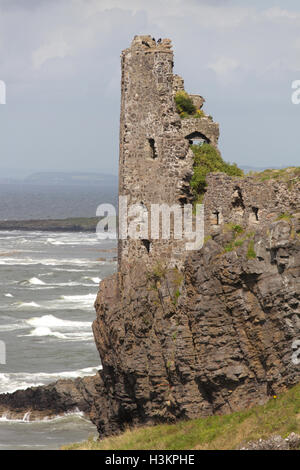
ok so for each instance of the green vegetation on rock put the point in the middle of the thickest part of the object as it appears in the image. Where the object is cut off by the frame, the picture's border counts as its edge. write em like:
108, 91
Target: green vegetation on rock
207, 159
185, 106
284, 174
280, 415
284, 216
251, 252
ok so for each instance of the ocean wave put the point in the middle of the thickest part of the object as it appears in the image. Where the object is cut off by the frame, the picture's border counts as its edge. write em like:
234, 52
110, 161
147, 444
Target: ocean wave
85, 301
51, 321
76, 413
28, 305
45, 331
37, 283
48, 262
12, 327
12, 381
96, 280
34, 281
64, 302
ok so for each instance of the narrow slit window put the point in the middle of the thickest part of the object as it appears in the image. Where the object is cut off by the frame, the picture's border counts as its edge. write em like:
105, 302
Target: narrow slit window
255, 211
153, 151
217, 217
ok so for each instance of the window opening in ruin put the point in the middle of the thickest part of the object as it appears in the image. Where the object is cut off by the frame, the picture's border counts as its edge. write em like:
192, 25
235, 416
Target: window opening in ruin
238, 201
217, 214
255, 210
146, 244
152, 148
196, 138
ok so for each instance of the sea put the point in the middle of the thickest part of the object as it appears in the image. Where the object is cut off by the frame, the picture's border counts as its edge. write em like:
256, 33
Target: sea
48, 285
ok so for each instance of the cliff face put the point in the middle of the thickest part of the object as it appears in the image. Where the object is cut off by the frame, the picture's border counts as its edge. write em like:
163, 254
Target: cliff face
216, 338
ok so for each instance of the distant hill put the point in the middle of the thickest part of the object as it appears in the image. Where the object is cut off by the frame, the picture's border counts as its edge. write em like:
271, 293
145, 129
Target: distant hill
248, 168
64, 178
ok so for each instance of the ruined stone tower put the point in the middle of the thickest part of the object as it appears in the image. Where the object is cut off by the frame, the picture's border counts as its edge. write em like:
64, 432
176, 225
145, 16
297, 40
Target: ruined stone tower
156, 162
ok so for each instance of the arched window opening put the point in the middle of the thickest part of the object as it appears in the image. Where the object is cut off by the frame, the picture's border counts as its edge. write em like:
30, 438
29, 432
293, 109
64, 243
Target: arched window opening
196, 138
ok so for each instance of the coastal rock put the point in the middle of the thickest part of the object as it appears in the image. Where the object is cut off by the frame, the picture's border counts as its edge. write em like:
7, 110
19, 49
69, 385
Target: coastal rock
217, 338
292, 442
51, 400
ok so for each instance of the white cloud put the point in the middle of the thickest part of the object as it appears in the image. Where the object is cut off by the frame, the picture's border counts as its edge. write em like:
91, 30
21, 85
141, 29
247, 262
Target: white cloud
52, 50
277, 13
224, 67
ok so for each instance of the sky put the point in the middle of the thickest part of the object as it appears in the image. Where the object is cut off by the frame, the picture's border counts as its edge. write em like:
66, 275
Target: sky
60, 61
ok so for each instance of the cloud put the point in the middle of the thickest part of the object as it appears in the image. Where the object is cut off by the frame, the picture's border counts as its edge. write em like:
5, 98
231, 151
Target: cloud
224, 67
52, 50
280, 14
58, 52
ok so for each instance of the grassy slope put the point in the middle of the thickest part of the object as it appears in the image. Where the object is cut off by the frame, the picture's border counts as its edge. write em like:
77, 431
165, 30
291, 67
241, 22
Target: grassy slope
280, 415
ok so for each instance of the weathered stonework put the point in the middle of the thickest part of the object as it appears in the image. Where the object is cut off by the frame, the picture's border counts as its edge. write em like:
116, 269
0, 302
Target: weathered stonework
248, 201
156, 163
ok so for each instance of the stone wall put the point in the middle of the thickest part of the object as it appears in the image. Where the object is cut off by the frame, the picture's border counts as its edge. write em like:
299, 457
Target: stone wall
248, 201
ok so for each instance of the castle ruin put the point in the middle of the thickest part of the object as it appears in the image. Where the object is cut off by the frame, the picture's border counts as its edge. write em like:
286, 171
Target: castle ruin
156, 162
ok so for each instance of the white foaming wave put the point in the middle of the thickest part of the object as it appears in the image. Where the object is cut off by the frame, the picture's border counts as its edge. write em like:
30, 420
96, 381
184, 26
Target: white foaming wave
28, 305
70, 270
71, 302
26, 419
8, 295
48, 262
34, 281
96, 280
79, 301
45, 331
79, 240
11, 327
10, 382
49, 321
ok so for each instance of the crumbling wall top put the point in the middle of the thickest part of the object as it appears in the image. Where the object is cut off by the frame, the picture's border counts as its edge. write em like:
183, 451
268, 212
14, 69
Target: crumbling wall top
150, 43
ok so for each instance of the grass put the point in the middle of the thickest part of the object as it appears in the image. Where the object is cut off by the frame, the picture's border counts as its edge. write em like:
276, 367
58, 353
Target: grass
284, 216
280, 415
238, 231
251, 252
284, 174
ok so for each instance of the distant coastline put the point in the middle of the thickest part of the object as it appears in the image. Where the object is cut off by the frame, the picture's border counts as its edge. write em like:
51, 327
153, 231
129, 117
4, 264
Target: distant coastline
75, 224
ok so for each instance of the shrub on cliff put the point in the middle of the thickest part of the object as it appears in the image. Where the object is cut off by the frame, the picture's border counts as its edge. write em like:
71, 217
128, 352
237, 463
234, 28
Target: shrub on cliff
184, 104
207, 159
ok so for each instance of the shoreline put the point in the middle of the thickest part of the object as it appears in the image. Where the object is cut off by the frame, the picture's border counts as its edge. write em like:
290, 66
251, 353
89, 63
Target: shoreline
74, 224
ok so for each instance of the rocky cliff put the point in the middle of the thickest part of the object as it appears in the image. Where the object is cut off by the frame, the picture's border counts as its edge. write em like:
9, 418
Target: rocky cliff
216, 338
